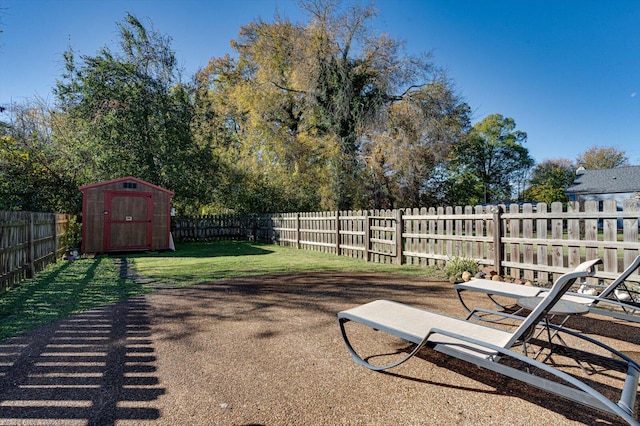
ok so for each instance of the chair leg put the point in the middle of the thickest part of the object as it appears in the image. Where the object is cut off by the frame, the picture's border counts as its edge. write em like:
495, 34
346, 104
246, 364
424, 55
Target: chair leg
630, 390
359, 360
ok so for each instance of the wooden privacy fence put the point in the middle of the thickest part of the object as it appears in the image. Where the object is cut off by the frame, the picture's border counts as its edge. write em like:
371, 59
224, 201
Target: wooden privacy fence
529, 241
28, 242
210, 228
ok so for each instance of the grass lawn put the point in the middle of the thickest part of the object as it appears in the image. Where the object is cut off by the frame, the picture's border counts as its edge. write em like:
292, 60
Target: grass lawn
70, 287
200, 262
63, 289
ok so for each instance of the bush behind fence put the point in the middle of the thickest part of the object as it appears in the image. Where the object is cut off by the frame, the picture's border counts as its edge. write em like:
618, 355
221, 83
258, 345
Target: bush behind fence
535, 242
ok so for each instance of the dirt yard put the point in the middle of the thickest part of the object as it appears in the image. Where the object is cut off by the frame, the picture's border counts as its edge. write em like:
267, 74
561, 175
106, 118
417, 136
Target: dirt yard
264, 351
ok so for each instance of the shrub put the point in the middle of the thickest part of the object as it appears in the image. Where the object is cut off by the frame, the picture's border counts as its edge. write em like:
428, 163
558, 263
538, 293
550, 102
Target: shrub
73, 235
456, 266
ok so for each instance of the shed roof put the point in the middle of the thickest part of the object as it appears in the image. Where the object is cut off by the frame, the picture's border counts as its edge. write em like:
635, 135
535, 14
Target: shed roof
122, 179
606, 181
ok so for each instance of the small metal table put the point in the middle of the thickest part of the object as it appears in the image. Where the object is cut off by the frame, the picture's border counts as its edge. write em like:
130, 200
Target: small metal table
564, 309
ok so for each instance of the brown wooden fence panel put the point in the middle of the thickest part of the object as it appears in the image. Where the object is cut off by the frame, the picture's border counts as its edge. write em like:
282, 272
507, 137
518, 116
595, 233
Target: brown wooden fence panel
557, 231
432, 247
591, 233
480, 232
495, 232
29, 242
355, 222
514, 246
412, 239
468, 233
542, 234
573, 235
610, 234
14, 250
382, 239
630, 232
528, 257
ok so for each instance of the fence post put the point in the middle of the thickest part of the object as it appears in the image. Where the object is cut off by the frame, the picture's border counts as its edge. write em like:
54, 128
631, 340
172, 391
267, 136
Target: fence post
254, 227
298, 230
367, 235
56, 238
338, 232
498, 248
399, 231
32, 253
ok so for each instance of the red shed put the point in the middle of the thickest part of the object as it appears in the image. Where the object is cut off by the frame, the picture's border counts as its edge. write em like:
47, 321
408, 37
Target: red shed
125, 214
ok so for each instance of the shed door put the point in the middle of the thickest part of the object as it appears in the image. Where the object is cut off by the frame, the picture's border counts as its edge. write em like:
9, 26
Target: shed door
128, 220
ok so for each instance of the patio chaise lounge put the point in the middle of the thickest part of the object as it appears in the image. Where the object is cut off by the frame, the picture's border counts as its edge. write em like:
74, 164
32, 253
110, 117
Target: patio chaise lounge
616, 300
490, 347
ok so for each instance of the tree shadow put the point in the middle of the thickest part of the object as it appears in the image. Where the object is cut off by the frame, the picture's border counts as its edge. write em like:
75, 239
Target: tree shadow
317, 297
212, 249
98, 366
503, 385
67, 288
604, 326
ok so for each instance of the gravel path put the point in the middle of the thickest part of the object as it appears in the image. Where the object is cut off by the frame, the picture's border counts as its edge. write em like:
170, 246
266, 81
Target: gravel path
263, 351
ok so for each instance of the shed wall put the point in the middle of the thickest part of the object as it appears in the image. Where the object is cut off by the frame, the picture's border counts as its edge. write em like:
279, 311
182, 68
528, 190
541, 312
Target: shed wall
94, 207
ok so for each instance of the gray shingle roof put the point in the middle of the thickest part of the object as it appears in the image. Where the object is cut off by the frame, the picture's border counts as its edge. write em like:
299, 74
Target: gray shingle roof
621, 179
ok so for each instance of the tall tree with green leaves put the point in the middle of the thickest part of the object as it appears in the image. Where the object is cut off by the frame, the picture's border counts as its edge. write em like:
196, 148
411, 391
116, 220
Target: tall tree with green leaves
414, 141
494, 156
549, 180
254, 125
354, 75
299, 99
134, 112
39, 171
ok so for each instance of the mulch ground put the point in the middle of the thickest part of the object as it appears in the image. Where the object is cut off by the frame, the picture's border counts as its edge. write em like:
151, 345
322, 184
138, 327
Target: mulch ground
265, 351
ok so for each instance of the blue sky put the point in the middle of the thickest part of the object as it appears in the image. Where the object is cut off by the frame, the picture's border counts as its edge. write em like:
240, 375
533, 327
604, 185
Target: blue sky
567, 71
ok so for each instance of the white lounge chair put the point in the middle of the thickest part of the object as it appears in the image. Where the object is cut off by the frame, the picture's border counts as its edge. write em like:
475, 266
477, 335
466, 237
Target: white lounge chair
615, 300
486, 346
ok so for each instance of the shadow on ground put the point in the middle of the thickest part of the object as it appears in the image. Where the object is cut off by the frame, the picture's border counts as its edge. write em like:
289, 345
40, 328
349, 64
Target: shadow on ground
94, 368
262, 350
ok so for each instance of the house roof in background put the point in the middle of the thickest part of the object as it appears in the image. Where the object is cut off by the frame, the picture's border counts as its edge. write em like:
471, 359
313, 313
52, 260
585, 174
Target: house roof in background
620, 179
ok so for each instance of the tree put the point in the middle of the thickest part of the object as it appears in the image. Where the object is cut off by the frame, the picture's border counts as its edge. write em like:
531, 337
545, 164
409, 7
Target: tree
415, 140
549, 181
602, 158
494, 156
323, 115
38, 170
134, 113
255, 126
354, 75
299, 100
